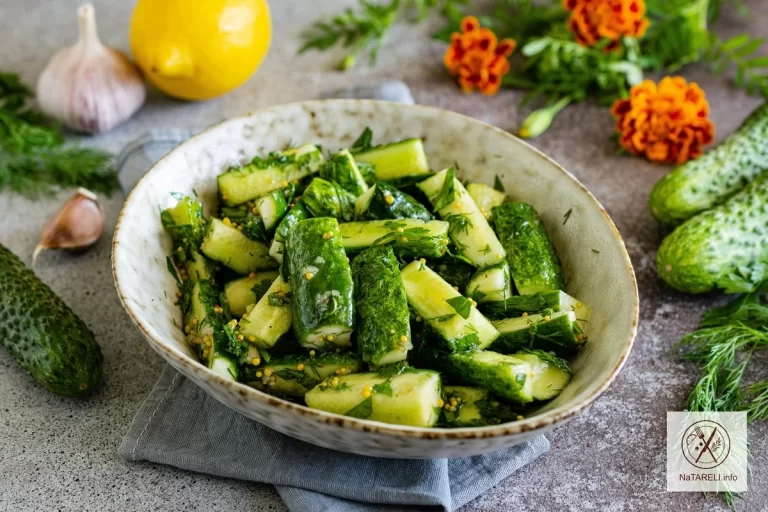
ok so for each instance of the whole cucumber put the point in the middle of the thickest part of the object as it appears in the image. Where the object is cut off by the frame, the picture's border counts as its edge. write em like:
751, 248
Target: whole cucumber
725, 247
712, 178
44, 335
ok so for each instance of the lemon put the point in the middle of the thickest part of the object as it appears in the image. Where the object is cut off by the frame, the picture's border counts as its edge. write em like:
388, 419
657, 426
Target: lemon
199, 49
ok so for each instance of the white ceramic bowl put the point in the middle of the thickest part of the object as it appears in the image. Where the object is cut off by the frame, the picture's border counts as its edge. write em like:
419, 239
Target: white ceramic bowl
603, 280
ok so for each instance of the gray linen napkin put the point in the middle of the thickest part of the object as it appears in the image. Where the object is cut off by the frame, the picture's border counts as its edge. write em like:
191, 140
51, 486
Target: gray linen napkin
180, 425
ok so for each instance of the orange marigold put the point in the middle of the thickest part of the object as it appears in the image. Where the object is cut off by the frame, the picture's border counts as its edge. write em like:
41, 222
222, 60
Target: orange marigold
592, 20
668, 122
477, 58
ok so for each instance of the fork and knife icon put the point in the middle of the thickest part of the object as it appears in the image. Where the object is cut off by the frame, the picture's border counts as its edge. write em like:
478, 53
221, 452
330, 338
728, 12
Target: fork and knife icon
704, 443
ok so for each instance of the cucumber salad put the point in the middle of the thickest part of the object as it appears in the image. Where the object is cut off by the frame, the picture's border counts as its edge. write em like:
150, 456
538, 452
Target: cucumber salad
364, 284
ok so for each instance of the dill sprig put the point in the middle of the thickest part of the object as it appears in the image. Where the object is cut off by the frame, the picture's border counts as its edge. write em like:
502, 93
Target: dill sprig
34, 160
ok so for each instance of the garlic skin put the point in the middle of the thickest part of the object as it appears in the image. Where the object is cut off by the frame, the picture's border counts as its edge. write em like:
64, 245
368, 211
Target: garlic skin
77, 225
89, 87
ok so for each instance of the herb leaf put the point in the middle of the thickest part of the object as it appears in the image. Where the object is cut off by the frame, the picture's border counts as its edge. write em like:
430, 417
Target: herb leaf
461, 305
497, 184
362, 410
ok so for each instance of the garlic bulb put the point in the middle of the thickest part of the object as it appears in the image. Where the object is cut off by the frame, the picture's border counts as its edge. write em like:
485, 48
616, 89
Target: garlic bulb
89, 87
77, 225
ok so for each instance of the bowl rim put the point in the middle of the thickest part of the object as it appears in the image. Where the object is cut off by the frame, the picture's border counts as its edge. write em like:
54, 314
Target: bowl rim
537, 422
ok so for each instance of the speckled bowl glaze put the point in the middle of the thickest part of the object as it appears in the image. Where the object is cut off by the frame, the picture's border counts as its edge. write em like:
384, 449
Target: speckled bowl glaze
595, 261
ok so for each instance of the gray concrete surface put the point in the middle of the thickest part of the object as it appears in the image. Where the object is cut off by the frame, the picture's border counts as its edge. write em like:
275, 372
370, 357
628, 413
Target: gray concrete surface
59, 454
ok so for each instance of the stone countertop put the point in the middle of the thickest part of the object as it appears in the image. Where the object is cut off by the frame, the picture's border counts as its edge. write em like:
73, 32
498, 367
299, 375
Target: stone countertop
60, 454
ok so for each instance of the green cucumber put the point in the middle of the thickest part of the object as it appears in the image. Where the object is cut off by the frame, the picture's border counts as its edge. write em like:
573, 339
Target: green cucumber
262, 176
327, 199
383, 324
549, 331
408, 237
297, 213
412, 397
273, 207
245, 291
712, 178
723, 248
454, 319
322, 299
186, 225
528, 304
533, 262
270, 318
297, 374
486, 198
473, 407
342, 169
396, 160
383, 201
229, 246
490, 284
43, 334
471, 234
550, 374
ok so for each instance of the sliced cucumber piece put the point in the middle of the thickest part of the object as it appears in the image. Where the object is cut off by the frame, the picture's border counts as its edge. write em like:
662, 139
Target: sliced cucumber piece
383, 201
485, 198
274, 206
229, 246
556, 301
327, 199
342, 169
270, 318
507, 376
185, 223
547, 331
198, 266
473, 407
298, 213
245, 291
471, 234
321, 280
408, 237
296, 374
453, 317
491, 284
409, 398
396, 160
262, 176
550, 373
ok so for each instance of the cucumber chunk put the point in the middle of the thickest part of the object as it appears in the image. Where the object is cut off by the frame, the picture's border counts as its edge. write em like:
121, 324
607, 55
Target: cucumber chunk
298, 213
383, 201
322, 300
327, 199
469, 230
473, 407
549, 331
491, 284
485, 198
409, 398
383, 323
550, 373
186, 225
270, 317
274, 206
245, 291
262, 176
454, 319
533, 262
229, 246
396, 160
556, 301
296, 374
408, 237
342, 169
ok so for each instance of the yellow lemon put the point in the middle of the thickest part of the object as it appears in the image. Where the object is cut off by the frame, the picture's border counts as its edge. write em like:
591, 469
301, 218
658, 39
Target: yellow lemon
199, 49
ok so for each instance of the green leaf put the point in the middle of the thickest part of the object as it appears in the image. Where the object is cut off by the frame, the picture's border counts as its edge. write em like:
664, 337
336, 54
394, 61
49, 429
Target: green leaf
567, 216
735, 42
279, 299
498, 185
364, 142
172, 269
385, 388
749, 48
363, 410
461, 305
757, 62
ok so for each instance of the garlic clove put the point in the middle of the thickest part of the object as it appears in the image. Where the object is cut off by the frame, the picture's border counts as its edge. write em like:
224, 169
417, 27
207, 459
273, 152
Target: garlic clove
87, 86
77, 225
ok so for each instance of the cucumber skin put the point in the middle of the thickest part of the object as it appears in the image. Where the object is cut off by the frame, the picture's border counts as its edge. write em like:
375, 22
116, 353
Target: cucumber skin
714, 177
557, 334
724, 247
341, 168
382, 307
304, 245
43, 334
403, 206
532, 259
327, 199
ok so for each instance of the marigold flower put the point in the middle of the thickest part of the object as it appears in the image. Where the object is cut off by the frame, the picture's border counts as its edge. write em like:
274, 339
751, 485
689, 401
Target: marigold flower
477, 58
668, 122
592, 20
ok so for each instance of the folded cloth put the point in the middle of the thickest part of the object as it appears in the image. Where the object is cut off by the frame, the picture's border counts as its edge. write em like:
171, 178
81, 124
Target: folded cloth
180, 425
